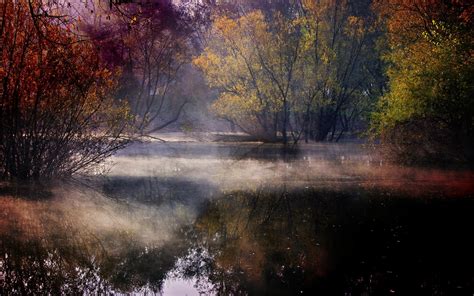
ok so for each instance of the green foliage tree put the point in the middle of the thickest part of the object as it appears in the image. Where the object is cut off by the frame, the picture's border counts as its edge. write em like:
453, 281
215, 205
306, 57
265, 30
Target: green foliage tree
343, 72
428, 112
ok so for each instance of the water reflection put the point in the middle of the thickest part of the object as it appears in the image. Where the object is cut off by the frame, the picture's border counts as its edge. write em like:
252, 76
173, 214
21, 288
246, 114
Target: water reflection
329, 242
311, 223
80, 240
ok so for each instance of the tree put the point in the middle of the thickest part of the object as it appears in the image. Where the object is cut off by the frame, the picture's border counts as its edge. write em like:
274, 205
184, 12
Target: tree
309, 69
344, 73
149, 41
56, 114
253, 64
428, 113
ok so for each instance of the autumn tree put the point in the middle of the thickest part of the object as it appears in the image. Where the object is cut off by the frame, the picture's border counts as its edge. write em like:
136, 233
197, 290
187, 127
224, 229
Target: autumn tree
150, 42
253, 64
428, 113
309, 69
343, 70
56, 113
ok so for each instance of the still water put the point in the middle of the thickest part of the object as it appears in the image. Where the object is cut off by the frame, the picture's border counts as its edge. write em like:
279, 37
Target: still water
241, 219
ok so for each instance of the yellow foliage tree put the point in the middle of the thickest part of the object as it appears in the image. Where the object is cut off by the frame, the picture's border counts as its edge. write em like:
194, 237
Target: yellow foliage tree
302, 72
254, 64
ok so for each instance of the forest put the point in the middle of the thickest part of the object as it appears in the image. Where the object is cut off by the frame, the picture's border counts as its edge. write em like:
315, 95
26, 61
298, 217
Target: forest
82, 80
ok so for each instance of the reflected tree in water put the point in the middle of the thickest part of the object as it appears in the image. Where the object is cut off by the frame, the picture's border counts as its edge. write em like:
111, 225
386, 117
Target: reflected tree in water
269, 242
48, 249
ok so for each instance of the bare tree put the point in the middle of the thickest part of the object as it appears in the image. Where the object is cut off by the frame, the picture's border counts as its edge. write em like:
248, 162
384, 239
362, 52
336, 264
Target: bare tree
150, 42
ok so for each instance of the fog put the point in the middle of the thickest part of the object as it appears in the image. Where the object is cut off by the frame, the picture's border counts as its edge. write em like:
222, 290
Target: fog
243, 166
148, 222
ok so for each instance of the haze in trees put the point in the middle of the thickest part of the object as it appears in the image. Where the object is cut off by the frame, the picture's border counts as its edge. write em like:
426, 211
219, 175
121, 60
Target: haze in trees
281, 71
150, 43
307, 71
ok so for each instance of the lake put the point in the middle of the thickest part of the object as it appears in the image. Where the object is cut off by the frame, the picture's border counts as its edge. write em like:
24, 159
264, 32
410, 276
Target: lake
203, 218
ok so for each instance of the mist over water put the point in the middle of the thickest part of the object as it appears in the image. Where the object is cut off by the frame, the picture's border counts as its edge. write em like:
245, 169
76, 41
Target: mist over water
240, 218
231, 166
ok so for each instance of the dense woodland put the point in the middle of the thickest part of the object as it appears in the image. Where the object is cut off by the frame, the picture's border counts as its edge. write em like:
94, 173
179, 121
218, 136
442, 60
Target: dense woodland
82, 79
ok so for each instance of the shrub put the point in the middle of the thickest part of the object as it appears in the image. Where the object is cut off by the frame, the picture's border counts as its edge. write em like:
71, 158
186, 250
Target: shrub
56, 114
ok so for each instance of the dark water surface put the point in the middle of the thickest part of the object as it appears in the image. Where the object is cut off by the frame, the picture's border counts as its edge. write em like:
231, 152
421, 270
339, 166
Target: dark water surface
242, 219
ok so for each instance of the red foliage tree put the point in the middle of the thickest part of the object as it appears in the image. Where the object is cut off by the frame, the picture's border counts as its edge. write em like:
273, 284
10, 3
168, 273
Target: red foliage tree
56, 115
